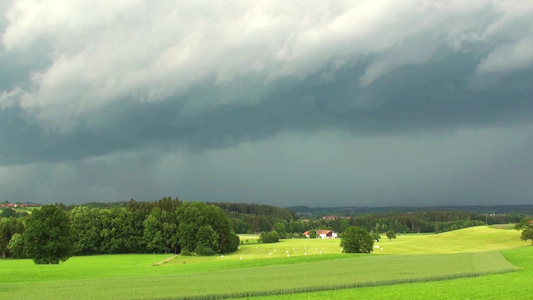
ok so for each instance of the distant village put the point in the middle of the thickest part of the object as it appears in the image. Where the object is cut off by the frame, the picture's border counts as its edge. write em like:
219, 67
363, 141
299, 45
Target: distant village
18, 205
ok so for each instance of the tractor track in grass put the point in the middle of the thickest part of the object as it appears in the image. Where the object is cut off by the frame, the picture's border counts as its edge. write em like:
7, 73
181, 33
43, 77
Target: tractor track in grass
165, 260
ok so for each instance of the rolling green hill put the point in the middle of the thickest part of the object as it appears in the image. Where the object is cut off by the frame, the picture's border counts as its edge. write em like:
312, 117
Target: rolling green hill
473, 239
406, 265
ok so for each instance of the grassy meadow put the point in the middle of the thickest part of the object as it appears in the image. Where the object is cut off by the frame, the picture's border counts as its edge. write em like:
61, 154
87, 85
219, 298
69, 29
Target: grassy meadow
512, 285
468, 263
474, 239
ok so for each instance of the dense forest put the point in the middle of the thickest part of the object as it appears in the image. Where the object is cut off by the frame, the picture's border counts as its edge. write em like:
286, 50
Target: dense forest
166, 225
171, 226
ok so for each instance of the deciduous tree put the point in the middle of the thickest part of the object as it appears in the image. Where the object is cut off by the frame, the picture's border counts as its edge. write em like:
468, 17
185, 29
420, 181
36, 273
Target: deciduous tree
391, 234
47, 236
269, 237
153, 231
8, 228
356, 240
206, 240
86, 224
526, 225
192, 216
8, 212
16, 246
280, 228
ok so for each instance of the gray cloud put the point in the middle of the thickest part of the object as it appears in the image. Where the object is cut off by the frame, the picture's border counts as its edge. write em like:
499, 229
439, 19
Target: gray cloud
432, 97
146, 99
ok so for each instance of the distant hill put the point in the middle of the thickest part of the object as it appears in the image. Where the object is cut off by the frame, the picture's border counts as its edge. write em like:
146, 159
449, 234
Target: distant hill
348, 211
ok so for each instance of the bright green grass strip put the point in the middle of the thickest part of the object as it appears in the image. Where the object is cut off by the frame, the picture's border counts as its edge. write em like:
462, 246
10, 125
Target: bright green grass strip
513, 285
254, 255
503, 226
80, 267
138, 265
474, 239
357, 271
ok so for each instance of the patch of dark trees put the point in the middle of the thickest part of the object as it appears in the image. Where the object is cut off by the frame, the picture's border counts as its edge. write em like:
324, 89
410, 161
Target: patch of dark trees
164, 226
422, 222
410, 222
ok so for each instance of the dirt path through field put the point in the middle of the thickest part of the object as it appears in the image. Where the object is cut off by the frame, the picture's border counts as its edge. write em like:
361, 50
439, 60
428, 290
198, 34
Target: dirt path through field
164, 260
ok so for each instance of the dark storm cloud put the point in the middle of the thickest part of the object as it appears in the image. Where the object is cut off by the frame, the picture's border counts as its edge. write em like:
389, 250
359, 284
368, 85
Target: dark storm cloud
286, 103
431, 97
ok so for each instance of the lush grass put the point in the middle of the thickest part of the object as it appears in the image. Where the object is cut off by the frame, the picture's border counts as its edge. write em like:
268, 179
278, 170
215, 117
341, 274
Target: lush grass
249, 237
80, 267
293, 265
474, 239
503, 226
359, 270
514, 285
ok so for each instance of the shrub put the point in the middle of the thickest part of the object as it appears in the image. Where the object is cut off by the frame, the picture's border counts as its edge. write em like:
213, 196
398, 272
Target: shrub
186, 252
205, 251
16, 246
269, 237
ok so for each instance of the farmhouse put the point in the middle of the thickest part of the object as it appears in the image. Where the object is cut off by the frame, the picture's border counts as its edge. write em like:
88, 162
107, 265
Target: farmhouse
323, 234
326, 234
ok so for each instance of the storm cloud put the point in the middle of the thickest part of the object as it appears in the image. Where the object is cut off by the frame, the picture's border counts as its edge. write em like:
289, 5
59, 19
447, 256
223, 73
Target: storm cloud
359, 103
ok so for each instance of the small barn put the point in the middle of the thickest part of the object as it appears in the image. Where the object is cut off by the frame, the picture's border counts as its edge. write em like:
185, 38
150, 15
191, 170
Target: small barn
322, 234
326, 234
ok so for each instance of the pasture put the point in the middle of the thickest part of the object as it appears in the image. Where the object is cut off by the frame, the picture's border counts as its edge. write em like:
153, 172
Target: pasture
474, 239
405, 265
512, 285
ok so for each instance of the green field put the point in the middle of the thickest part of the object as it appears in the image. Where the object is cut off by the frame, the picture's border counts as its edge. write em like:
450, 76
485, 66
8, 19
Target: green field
513, 285
408, 266
474, 239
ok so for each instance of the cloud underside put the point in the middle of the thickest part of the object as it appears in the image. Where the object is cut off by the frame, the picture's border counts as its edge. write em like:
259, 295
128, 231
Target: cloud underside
117, 87
410, 100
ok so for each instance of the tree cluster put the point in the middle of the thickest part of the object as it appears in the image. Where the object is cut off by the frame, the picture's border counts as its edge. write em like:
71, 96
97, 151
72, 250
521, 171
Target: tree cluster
420, 222
205, 229
9, 228
9, 212
52, 234
269, 237
255, 218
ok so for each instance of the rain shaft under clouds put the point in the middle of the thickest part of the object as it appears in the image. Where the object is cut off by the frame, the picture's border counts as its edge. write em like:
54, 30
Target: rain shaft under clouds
361, 103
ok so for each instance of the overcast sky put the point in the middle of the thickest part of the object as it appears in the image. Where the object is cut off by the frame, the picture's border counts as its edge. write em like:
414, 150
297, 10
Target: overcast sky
317, 103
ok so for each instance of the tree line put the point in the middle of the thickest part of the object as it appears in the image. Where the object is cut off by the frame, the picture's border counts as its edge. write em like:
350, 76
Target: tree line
164, 226
171, 226
416, 222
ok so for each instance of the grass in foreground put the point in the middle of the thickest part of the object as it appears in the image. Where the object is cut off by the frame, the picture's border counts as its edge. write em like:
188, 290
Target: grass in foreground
80, 267
514, 285
361, 270
295, 265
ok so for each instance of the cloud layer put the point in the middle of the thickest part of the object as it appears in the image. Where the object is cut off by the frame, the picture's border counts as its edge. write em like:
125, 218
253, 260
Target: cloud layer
89, 89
